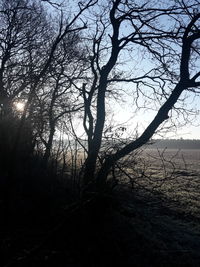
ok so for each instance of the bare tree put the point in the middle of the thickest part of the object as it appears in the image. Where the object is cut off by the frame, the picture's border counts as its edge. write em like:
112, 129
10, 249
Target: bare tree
23, 26
30, 49
126, 27
61, 95
29, 46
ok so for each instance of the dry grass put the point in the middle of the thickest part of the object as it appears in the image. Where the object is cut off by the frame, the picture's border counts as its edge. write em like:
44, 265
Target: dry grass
163, 204
172, 174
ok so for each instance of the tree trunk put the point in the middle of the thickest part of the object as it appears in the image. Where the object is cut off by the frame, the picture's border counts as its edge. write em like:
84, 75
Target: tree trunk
161, 116
48, 146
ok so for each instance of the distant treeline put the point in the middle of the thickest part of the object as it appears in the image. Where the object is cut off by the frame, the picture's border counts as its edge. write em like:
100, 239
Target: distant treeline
175, 144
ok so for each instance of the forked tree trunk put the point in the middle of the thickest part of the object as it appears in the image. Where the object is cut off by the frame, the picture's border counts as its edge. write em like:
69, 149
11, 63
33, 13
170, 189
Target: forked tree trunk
48, 146
161, 116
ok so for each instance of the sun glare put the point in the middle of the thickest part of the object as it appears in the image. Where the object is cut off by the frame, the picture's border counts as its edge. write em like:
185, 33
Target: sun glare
19, 106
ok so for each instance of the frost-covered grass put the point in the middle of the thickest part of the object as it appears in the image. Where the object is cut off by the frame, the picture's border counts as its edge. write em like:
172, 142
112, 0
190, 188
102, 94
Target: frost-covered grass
163, 201
169, 174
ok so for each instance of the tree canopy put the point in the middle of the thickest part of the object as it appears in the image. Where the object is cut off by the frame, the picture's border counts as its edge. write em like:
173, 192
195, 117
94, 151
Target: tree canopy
69, 64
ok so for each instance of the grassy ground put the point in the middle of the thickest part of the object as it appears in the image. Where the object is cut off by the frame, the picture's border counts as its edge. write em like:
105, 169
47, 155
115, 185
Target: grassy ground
151, 220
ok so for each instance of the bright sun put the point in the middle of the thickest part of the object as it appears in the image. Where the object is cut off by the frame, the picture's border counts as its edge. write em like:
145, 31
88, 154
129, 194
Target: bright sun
19, 106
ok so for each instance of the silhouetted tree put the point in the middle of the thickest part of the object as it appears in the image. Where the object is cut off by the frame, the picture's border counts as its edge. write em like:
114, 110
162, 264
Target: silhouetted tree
166, 32
33, 51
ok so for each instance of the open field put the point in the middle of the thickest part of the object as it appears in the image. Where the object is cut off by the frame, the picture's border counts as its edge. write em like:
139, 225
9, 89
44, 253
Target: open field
163, 203
169, 174
185, 158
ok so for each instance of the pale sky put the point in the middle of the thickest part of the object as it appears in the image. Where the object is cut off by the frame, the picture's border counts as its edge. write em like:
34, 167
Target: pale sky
188, 131
123, 113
